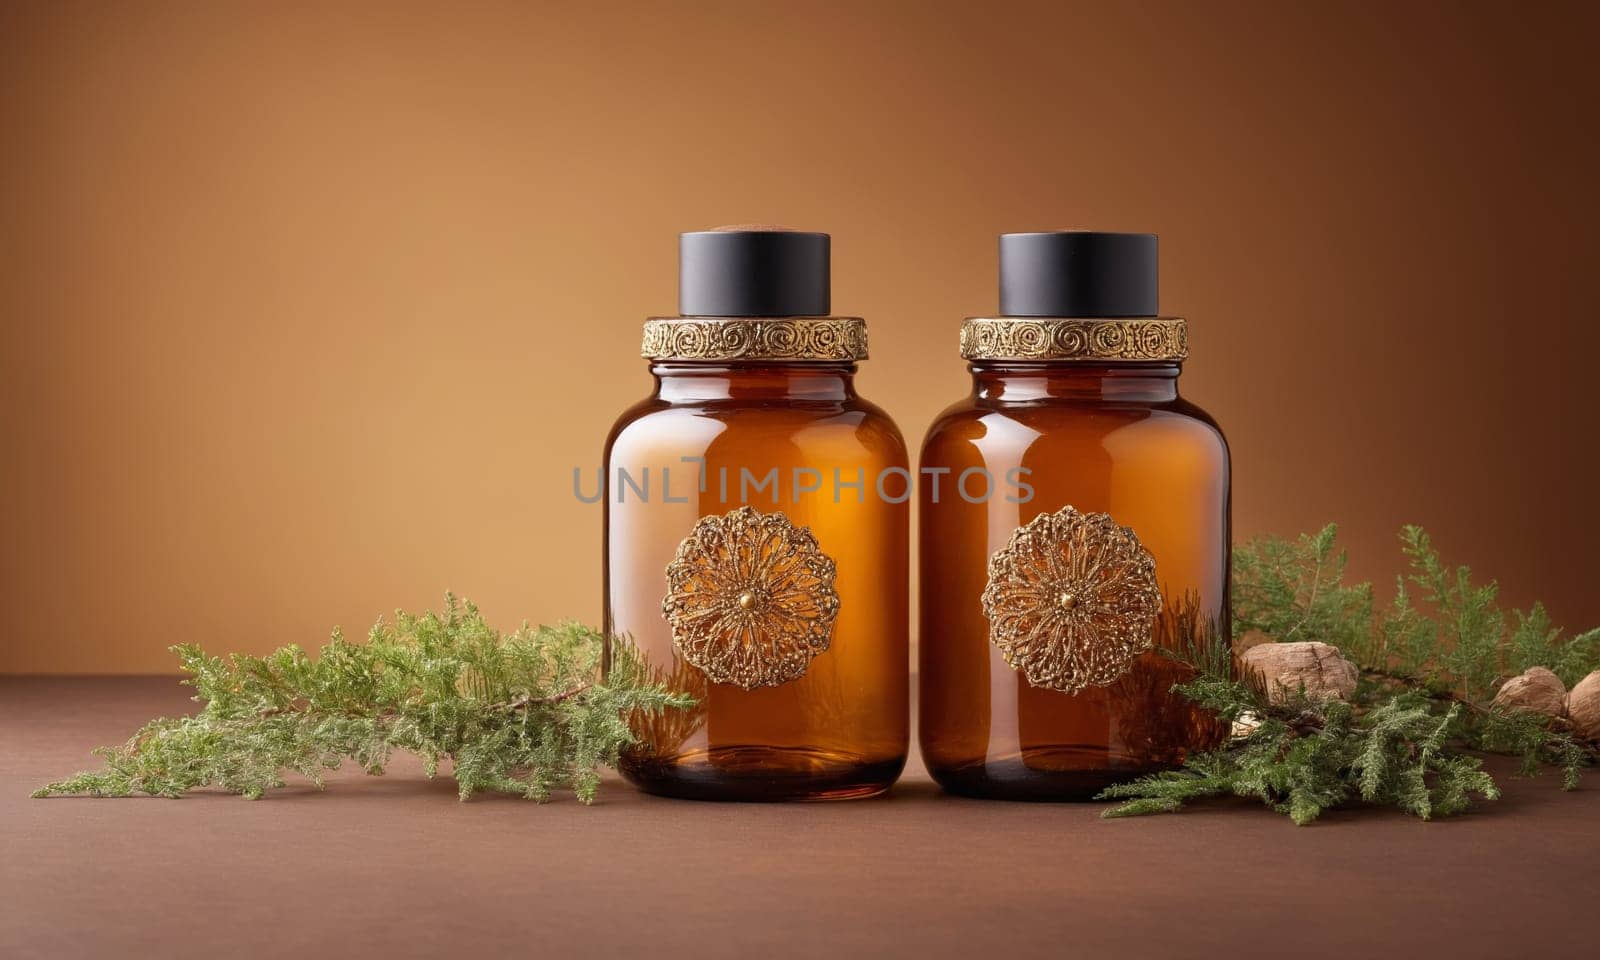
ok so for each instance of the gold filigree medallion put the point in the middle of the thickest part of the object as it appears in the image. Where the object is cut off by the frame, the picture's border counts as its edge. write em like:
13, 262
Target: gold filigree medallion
1072, 600
750, 599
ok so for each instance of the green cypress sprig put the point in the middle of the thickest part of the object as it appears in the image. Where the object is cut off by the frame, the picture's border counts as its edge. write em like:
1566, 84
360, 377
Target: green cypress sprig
523, 713
1429, 665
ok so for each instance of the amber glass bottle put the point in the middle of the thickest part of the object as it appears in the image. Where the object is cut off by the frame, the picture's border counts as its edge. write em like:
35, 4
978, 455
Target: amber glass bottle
756, 529
1074, 517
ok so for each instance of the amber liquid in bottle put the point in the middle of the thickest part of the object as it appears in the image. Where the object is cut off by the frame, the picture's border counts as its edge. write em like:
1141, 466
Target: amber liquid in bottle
766, 575
841, 730
1117, 440
1046, 605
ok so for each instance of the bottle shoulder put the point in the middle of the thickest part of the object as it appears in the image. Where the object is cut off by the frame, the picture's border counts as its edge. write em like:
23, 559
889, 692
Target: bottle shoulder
696, 425
880, 424
634, 417
1204, 421
955, 419
976, 422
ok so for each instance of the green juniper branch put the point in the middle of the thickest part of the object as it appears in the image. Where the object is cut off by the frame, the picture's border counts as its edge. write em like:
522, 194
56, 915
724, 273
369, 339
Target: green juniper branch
523, 713
528, 712
1423, 695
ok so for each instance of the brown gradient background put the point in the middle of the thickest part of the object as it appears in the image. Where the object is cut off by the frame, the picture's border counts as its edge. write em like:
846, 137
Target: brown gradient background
310, 309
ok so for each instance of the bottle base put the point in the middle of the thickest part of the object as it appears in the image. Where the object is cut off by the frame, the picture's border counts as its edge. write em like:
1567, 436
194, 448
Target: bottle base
1044, 775
763, 775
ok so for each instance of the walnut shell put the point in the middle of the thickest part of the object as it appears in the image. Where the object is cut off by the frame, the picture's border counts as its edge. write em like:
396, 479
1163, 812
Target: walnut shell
1318, 667
1535, 690
1583, 707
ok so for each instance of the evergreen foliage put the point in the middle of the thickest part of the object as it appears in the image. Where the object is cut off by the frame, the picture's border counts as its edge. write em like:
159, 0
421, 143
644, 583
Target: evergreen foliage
1294, 590
1429, 663
1538, 741
530, 712
523, 713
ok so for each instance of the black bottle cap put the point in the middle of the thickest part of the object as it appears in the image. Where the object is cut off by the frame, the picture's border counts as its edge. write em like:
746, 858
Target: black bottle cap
753, 272
1078, 273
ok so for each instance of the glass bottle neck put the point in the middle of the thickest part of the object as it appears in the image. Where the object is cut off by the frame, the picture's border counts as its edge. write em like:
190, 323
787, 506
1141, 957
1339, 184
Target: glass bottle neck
690, 382
1017, 381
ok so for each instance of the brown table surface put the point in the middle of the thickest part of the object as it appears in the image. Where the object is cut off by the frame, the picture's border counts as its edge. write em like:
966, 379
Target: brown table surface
396, 866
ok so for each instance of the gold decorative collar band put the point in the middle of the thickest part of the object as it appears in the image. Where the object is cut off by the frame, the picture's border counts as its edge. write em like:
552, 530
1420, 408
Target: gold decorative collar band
1112, 339
755, 338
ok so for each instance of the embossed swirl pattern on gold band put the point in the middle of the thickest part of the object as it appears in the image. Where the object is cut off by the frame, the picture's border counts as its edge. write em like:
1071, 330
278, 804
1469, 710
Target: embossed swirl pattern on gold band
1118, 340
755, 338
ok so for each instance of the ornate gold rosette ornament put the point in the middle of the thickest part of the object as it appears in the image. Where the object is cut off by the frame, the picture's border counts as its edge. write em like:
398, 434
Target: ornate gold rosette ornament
750, 599
740, 338
1116, 340
1072, 600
